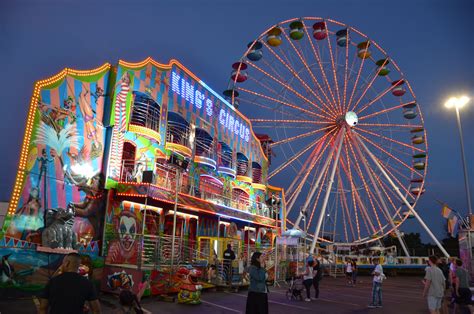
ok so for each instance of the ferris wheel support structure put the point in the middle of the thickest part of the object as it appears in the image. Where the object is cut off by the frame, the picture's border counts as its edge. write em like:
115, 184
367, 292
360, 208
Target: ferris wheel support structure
315, 187
379, 195
402, 197
328, 191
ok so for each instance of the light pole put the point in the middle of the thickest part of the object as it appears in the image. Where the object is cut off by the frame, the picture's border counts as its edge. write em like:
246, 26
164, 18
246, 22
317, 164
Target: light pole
458, 103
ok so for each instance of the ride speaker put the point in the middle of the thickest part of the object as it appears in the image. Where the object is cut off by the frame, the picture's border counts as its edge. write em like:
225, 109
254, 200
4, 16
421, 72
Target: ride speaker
147, 176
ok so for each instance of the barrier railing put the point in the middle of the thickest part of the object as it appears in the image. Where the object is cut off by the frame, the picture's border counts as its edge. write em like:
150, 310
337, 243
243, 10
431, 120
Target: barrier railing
165, 176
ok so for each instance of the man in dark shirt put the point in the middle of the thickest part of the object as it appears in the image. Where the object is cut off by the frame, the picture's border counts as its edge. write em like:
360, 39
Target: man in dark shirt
229, 256
68, 292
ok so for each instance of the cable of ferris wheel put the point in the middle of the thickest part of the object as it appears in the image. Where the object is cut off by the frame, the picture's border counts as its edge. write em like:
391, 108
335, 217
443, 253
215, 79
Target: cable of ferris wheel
296, 156
402, 197
367, 88
328, 192
373, 101
315, 160
299, 95
336, 84
379, 194
312, 76
316, 185
323, 72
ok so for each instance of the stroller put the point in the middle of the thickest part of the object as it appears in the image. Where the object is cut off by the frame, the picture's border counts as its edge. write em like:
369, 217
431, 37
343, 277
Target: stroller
295, 291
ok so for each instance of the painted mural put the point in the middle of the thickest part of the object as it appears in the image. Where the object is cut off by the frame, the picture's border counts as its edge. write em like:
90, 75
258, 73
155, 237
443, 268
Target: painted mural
58, 199
61, 201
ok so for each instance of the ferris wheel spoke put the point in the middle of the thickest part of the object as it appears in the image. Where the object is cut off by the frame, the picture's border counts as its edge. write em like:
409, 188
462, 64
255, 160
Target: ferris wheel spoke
320, 88
364, 182
357, 82
390, 170
368, 86
317, 179
318, 154
296, 156
385, 151
376, 183
383, 111
336, 84
317, 55
252, 102
284, 103
392, 140
365, 214
379, 96
390, 125
287, 121
348, 172
329, 113
346, 72
386, 191
288, 88
275, 93
302, 59
344, 207
300, 136
320, 189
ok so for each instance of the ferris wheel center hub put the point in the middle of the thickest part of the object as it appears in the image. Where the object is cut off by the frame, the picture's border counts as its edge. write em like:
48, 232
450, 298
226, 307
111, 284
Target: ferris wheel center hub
351, 118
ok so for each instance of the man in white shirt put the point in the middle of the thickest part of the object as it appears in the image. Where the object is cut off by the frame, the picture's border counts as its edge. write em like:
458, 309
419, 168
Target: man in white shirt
349, 271
435, 284
377, 285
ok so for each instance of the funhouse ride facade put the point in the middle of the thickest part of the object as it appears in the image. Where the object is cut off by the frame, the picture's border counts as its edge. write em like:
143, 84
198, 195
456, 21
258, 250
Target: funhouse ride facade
141, 168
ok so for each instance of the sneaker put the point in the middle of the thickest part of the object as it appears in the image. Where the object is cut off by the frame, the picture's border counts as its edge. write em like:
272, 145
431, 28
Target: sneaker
371, 306
378, 306
307, 300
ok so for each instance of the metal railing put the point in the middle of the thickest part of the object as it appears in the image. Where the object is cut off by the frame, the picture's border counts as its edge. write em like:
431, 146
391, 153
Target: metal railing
165, 176
177, 133
146, 114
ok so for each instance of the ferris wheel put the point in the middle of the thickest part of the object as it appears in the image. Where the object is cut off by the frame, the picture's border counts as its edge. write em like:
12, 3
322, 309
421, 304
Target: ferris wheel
344, 124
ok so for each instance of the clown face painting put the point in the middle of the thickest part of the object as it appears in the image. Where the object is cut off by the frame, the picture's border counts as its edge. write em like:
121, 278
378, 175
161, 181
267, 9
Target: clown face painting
127, 232
124, 250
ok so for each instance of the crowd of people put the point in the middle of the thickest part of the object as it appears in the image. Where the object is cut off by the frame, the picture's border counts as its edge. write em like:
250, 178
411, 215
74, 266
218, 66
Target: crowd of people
446, 284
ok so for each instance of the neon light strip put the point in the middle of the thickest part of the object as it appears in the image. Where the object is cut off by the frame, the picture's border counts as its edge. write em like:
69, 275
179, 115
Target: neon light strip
182, 214
179, 148
216, 94
227, 170
206, 161
147, 207
179, 65
145, 131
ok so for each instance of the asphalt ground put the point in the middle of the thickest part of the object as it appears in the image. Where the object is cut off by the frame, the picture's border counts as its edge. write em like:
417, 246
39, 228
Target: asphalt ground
400, 295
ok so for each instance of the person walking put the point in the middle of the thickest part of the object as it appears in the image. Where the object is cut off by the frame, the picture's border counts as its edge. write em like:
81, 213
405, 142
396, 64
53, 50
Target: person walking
379, 276
349, 271
68, 292
229, 257
257, 299
318, 276
435, 284
354, 271
462, 292
308, 279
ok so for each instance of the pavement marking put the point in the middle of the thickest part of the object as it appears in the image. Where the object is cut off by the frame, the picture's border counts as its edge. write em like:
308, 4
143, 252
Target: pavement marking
221, 306
280, 303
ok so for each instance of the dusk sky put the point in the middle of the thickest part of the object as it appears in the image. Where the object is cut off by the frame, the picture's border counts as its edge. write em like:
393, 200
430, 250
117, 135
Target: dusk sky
431, 41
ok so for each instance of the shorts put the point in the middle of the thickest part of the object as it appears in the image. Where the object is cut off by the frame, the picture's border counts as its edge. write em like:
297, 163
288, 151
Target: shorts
434, 303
